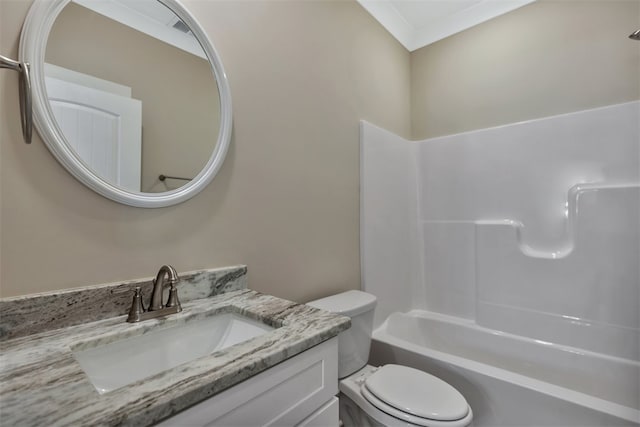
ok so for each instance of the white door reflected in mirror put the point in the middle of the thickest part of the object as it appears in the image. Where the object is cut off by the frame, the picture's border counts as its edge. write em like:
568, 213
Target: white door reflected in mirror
101, 122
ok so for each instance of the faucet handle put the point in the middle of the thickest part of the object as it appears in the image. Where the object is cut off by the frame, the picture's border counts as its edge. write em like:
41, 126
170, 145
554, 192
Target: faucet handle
137, 308
173, 300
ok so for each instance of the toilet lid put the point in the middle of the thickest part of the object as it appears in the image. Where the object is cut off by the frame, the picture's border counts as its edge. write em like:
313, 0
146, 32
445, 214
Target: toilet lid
416, 392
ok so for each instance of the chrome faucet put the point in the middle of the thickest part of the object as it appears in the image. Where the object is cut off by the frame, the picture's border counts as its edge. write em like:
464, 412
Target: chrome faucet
137, 312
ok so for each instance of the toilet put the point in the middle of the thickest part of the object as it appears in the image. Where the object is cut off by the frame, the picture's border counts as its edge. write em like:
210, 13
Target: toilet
389, 395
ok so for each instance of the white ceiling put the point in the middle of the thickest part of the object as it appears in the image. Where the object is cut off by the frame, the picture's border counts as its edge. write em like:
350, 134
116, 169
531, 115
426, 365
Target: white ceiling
147, 16
417, 23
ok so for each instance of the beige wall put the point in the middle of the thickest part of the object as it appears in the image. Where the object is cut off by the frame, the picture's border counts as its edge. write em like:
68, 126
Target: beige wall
286, 199
180, 102
549, 57
302, 74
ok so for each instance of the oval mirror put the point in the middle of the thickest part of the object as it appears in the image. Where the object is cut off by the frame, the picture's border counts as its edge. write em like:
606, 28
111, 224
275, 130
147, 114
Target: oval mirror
129, 95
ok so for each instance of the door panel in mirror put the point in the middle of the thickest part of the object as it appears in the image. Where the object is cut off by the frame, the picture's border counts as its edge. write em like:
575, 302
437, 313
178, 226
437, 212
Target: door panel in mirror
102, 127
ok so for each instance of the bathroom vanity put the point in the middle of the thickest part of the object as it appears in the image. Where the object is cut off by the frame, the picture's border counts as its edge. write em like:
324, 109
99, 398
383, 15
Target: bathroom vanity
276, 365
297, 392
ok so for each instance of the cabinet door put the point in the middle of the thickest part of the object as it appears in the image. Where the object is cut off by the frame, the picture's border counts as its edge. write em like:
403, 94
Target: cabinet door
283, 395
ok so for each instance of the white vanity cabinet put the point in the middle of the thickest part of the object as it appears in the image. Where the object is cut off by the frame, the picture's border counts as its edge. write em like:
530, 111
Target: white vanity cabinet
297, 392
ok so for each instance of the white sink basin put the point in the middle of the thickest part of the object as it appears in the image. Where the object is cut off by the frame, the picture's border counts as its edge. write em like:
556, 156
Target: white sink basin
128, 360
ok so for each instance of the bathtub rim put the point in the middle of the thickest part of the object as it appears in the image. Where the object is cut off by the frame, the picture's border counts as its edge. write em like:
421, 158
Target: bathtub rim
562, 393
469, 323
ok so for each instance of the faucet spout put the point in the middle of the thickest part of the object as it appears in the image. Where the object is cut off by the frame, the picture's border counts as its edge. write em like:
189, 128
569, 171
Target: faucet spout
168, 272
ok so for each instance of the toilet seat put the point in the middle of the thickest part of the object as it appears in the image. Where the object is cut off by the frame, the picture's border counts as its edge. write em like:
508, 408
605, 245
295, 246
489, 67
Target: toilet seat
414, 396
378, 404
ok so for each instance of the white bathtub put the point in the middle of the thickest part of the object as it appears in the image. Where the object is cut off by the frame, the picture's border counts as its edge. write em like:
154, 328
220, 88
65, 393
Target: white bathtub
511, 380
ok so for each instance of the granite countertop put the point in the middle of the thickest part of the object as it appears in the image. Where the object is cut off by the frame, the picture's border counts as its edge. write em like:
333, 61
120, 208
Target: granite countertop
41, 383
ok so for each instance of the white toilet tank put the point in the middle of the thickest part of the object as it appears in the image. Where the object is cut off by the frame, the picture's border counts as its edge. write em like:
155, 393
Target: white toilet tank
354, 343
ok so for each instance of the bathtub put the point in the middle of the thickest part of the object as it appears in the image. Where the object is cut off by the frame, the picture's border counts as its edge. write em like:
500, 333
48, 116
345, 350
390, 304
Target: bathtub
511, 380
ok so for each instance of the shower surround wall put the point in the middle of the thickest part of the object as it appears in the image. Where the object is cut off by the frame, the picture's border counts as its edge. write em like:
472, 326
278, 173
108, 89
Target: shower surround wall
530, 228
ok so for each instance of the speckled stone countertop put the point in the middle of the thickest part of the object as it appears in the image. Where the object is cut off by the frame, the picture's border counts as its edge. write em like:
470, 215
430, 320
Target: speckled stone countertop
41, 383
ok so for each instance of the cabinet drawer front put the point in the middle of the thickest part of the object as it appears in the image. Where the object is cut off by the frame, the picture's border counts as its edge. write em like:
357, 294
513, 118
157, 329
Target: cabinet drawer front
283, 395
324, 417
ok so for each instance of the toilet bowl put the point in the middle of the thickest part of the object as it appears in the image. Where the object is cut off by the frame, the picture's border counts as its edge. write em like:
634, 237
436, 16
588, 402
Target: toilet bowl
390, 395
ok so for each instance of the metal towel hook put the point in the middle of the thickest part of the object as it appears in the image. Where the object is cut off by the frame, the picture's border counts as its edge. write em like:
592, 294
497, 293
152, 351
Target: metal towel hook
26, 111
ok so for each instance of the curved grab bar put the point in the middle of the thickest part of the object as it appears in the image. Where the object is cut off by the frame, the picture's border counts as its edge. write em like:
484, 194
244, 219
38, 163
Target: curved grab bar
26, 111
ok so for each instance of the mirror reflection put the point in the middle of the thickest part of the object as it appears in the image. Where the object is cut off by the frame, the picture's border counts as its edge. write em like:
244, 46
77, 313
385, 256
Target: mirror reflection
133, 93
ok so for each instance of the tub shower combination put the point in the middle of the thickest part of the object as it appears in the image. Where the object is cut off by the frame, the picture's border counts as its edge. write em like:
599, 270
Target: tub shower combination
505, 261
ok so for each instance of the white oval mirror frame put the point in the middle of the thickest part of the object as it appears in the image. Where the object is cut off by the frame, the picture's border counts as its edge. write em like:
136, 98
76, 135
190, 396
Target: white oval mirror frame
33, 42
